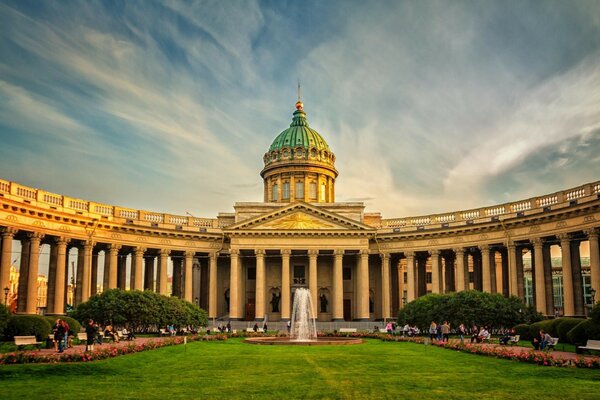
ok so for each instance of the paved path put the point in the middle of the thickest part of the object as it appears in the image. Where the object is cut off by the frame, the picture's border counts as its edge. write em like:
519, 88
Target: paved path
80, 348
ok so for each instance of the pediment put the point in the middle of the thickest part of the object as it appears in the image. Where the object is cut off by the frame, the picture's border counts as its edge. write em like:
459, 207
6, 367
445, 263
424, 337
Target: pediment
299, 217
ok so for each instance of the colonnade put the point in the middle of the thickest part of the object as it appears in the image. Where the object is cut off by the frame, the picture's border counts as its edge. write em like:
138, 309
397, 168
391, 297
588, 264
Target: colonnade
449, 268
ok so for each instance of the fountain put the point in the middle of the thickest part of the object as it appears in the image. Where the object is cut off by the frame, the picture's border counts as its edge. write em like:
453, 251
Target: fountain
303, 330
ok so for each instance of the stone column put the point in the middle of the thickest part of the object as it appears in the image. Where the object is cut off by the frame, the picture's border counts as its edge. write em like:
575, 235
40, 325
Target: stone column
51, 278
23, 275
260, 284
187, 276
212, 285
462, 275
577, 277
113, 256
411, 289
122, 271
493, 268
512, 269
540, 284
234, 285
338, 285
363, 286
86, 275
32, 274
163, 263
137, 268
5, 259
567, 273
436, 280
520, 272
148, 272
59, 281
486, 269
94, 273
594, 260
312, 279
285, 284
547, 258
385, 286
176, 290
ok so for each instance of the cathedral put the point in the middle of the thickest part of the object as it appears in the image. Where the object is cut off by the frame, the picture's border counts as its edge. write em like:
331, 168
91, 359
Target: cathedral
358, 266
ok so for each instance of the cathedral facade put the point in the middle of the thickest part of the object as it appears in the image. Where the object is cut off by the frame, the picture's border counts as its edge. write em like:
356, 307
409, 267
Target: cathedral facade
358, 266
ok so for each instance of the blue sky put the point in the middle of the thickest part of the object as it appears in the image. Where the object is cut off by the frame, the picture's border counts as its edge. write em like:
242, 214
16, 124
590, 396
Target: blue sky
429, 106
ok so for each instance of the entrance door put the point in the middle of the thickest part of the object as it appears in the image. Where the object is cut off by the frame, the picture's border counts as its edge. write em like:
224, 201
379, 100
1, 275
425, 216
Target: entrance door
250, 310
347, 310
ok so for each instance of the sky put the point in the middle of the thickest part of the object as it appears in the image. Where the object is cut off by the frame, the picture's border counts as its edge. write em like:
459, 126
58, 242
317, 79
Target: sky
429, 106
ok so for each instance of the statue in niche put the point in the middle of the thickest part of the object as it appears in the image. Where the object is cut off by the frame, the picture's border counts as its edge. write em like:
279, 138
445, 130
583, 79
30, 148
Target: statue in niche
227, 300
371, 305
323, 300
275, 302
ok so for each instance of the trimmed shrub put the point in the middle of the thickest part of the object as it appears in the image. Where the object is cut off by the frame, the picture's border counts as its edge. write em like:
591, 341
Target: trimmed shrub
4, 314
536, 327
564, 326
523, 331
74, 325
585, 330
595, 313
28, 325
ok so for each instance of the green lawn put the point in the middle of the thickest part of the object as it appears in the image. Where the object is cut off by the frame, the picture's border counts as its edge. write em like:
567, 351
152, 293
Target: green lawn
232, 369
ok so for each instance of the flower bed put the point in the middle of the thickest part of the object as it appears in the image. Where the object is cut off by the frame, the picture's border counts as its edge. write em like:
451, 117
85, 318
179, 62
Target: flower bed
27, 357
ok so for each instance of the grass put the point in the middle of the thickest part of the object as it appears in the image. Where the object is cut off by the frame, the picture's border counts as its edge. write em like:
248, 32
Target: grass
232, 369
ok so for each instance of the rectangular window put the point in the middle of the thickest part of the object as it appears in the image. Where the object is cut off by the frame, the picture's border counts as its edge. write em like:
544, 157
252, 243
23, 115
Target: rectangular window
471, 277
406, 277
286, 190
299, 190
251, 273
275, 193
347, 274
322, 192
313, 190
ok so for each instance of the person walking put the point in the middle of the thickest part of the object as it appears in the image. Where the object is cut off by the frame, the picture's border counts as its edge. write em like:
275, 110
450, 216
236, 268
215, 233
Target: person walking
462, 331
90, 331
59, 336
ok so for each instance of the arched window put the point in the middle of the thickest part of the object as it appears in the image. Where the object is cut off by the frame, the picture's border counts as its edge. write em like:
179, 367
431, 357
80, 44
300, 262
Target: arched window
275, 192
286, 191
299, 189
313, 190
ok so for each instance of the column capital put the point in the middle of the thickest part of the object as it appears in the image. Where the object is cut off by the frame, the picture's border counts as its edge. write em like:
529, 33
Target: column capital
35, 235
564, 237
163, 252
234, 252
285, 252
8, 232
384, 255
409, 254
61, 240
259, 252
190, 253
538, 242
434, 252
459, 250
139, 250
364, 252
591, 233
338, 252
484, 248
313, 252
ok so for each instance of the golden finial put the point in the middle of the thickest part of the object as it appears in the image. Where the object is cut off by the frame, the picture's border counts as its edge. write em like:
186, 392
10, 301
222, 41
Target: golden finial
299, 104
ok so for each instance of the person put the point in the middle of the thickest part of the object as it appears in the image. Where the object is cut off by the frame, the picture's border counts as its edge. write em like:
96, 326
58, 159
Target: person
462, 331
99, 334
66, 330
275, 302
289, 326
506, 337
171, 330
545, 340
536, 341
432, 330
405, 330
228, 326
128, 334
474, 333
265, 327
110, 333
90, 332
255, 328
323, 300
445, 331
59, 336
389, 328
483, 335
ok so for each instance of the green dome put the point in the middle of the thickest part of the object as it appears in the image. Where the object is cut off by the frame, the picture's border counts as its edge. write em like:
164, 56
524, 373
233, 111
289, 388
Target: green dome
299, 134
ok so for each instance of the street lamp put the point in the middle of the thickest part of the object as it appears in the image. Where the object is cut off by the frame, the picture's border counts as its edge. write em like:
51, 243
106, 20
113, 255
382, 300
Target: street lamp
7, 289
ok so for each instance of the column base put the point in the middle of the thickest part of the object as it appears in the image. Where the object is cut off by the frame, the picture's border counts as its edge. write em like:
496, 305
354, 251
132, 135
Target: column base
362, 319
338, 320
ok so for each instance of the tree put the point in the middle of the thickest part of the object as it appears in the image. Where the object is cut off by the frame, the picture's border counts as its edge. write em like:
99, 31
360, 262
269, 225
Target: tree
470, 308
141, 311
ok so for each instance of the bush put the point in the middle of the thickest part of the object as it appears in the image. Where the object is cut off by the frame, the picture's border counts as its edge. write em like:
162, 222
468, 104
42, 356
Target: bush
4, 314
74, 325
28, 325
595, 313
546, 326
584, 331
523, 331
564, 326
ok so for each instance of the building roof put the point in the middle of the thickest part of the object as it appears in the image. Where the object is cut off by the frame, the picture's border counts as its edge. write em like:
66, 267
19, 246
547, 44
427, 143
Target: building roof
299, 134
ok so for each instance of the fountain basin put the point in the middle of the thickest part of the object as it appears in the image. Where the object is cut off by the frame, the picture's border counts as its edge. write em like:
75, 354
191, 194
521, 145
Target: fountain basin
286, 341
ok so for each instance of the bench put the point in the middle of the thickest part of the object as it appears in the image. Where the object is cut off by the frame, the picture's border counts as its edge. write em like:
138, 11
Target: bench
259, 330
550, 345
590, 345
514, 340
347, 330
82, 336
383, 330
27, 341
162, 332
